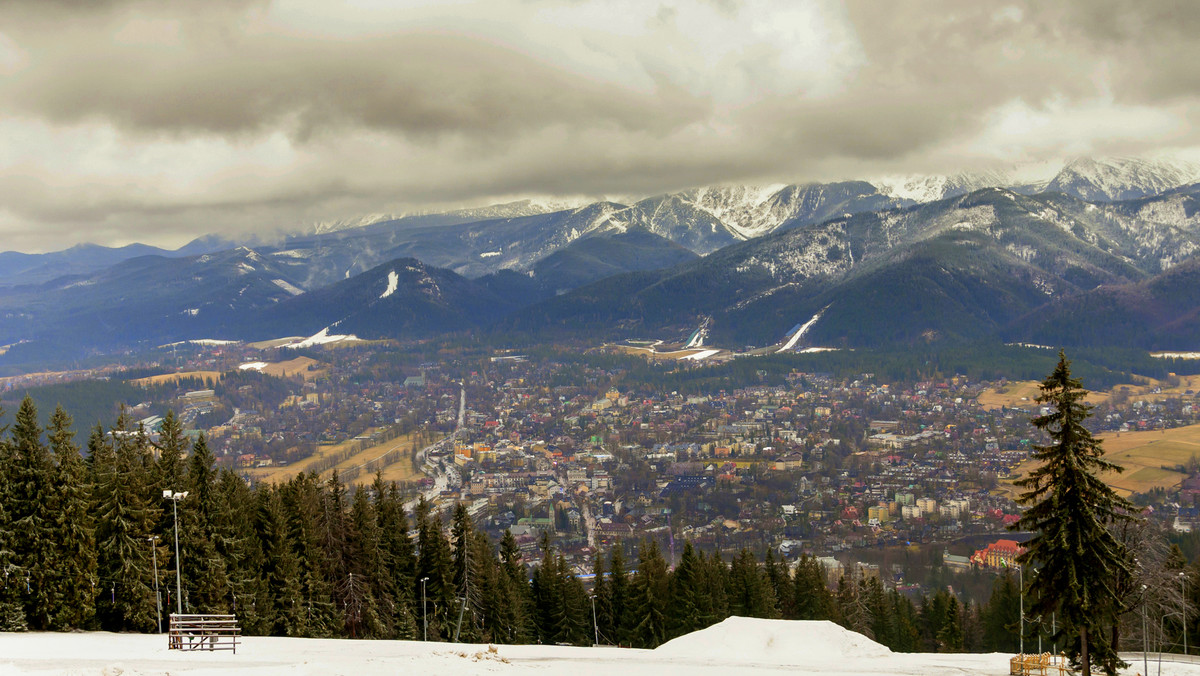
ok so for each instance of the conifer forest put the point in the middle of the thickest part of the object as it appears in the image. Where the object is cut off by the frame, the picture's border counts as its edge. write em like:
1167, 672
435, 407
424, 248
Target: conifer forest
88, 542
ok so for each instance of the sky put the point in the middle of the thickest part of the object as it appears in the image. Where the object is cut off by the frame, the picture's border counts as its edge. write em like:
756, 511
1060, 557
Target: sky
158, 121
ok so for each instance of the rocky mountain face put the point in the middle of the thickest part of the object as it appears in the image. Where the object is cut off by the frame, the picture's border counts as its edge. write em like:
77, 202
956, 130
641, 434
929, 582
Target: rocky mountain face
962, 268
1116, 179
861, 264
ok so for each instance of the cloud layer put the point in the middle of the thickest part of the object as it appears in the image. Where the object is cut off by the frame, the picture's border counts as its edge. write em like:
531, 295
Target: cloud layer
130, 120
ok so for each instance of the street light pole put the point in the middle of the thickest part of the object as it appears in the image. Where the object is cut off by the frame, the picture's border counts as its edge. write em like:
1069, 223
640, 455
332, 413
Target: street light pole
1183, 607
1021, 597
595, 624
1145, 636
175, 497
157, 597
424, 619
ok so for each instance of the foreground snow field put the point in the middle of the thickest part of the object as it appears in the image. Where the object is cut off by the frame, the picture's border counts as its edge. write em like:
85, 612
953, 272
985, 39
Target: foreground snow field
735, 646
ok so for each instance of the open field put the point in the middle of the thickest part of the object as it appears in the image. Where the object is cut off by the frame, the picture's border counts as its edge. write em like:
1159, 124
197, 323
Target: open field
1143, 455
401, 470
173, 377
298, 366
1018, 394
1021, 394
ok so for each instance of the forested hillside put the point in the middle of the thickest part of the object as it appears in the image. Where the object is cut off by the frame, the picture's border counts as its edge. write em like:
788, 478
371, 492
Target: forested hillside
79, 539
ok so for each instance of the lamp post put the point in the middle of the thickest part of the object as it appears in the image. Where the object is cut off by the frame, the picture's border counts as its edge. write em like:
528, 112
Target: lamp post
175, 497
1145, 636
424, 619
1021, 601
1183, 607
595, 624
153, 539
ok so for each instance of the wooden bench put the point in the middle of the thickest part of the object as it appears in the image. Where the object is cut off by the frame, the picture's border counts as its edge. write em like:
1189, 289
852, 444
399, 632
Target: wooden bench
203, 632
1041, 665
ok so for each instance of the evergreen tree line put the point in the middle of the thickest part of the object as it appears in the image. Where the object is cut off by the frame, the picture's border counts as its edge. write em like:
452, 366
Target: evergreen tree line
82, 539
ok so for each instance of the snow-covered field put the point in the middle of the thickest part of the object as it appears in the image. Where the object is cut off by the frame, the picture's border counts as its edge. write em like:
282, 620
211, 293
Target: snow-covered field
735, 646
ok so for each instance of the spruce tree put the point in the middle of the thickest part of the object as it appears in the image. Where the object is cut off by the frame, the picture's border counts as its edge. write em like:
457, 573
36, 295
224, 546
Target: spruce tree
1069, 511
12, 612
74, 576
813, 600
31, 477
516, 620
712, 604
950, 635
619, 630
304, 504
684, 617
1001, 617
398, 558
546, 588
125, 595
434, 563
206, 584
282, 607
367, 576
650, 593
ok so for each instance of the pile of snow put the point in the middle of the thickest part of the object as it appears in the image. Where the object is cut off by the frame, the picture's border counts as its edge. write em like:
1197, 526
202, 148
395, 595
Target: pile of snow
253, 366
774, 642
701, 355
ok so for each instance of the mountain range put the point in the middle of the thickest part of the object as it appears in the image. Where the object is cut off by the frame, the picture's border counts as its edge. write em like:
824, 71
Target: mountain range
1103, 246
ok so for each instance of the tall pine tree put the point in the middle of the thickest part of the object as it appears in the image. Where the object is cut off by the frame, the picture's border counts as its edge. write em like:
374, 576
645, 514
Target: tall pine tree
72, 600
1070, 509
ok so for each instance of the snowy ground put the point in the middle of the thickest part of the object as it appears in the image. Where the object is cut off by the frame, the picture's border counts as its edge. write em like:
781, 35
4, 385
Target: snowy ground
736, 646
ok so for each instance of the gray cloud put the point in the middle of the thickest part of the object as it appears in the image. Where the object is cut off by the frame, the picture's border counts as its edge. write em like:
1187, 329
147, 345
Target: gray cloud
129, 119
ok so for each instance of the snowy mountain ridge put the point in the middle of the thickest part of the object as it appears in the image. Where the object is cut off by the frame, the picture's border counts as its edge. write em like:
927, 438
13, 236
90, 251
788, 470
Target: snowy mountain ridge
1116, 179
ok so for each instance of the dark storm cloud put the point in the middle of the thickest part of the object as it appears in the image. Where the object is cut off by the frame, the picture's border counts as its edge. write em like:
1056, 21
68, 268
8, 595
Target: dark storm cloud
234, 114
414, 84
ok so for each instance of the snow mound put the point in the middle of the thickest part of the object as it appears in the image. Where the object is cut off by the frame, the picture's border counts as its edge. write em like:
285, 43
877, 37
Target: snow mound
774, 641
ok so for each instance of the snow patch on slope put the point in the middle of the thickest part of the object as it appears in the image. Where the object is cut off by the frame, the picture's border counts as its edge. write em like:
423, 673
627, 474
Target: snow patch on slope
392, 285
287, 286
323, 337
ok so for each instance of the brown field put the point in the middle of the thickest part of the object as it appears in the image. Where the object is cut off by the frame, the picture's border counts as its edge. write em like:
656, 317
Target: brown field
1018, 394
173, 377
1021, 394
1143, 455
298, 366
398, 471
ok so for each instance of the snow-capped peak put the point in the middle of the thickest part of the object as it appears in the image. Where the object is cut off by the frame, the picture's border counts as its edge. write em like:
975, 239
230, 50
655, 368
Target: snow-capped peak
747, 210
933, 187
1121, 178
